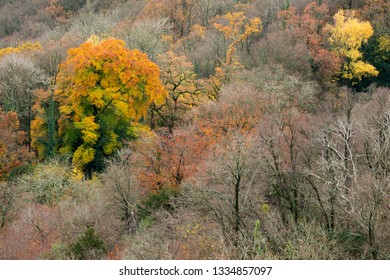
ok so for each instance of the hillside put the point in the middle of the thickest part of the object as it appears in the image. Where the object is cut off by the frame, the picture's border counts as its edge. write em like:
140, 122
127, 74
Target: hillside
184, 129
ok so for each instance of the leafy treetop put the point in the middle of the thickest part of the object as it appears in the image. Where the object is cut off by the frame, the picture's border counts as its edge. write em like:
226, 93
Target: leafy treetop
347, 36
236, 27
102, 89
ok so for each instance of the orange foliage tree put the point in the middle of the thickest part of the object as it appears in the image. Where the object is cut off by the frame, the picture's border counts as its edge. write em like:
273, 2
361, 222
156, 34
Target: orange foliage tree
12, 150
309, 27
103, 90
166, 160
236, 27
327, 62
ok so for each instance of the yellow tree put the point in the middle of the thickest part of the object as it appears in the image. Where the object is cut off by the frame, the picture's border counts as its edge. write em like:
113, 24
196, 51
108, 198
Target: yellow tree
103, 90
346, 37
22, 48
236, 27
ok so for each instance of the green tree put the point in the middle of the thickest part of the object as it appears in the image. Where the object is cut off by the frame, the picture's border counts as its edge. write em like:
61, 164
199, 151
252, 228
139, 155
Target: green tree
89, 246
377, 53
44, 127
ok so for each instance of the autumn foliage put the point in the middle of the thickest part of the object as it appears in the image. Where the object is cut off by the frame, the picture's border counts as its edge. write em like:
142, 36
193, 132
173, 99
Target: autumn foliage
308, 29
166, 160
13, 152
103, 89
347, 36
194, 129
20, 49
180, 81
236, 27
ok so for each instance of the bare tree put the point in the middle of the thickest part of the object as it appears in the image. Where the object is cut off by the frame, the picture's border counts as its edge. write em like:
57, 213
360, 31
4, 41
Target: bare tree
19, 78
7, 199
284, 136
122, 191
147, 36
229, 191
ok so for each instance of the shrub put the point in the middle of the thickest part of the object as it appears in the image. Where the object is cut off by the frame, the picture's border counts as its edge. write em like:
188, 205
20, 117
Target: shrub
88, 246
7, 198
48, 182
72, 5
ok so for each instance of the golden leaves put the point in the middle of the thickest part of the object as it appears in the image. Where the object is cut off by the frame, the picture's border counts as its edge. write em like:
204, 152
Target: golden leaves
359, 69
88, 128
236, 27
113, 145
22, 48
94, 40
83, 155
101, 87
384, 46
347, 36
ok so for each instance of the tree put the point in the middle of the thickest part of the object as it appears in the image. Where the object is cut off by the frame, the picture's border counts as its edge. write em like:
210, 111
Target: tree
333, 170
49, 182
166, 160
347, 36
203, 47
307, 30
7, 199
207, 9
13, 152
181, 13
44, 127
19, 78
236, 27
351, 4
377, 53
284, 136
103, 90
325, 61
88, 246
72, 5
99, 24
22, 48
183, 89
228, 188
123, 192
57, 12
147, 36
377, 12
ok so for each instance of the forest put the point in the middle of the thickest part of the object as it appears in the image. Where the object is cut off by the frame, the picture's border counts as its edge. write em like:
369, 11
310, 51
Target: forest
194, 129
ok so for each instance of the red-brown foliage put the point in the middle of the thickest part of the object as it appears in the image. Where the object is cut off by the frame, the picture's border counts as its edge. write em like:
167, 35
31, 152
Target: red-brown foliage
13, 152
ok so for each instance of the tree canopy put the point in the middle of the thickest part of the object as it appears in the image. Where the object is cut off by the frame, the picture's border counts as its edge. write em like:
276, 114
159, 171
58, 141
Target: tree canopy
347, 36
103, 90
